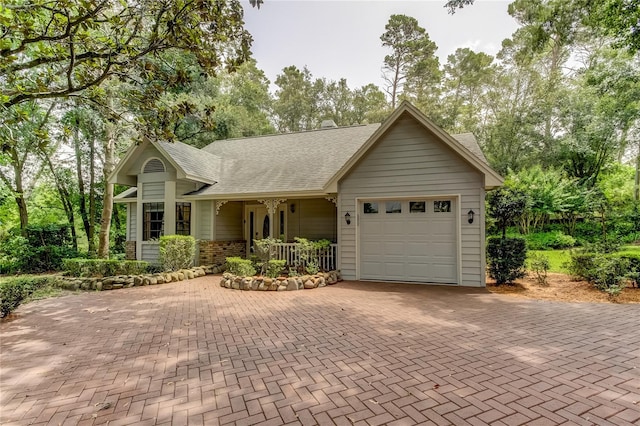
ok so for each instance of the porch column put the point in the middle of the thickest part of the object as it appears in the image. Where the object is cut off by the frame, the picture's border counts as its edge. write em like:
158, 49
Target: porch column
272, 206
334, 199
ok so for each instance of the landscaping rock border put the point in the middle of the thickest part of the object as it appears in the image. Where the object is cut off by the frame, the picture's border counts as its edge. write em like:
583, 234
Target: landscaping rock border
259, 283
127, 281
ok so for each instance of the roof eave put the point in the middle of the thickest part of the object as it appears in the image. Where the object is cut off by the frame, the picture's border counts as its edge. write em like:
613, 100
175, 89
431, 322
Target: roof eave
113, 177
259, 195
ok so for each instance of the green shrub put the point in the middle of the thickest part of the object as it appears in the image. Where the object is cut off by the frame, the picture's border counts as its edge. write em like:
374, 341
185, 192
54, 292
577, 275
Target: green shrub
239, 266
608, 272
506, 259
103, 267
265, 248
549, 240
539, 265
274, 267
43, 249
15, 289
177, 252
581, 265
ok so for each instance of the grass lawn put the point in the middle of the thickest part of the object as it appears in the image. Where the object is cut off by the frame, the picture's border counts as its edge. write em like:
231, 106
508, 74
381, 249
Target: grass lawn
557, 259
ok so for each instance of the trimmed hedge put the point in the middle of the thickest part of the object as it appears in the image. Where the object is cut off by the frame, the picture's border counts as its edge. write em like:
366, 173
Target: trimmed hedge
177, 252
103, 267
15, 289
240, 266
506, 258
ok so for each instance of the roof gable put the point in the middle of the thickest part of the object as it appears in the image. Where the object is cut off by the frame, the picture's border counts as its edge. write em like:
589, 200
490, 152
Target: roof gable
189, 162
464, 145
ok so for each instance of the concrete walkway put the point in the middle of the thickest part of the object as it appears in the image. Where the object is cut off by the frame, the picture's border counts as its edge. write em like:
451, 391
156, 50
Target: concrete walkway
355, 353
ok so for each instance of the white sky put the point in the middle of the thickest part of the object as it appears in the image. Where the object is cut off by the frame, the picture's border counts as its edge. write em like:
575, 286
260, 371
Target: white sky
340, 38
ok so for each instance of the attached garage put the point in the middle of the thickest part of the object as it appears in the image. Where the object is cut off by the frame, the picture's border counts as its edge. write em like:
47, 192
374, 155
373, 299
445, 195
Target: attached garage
413, 239
417, 196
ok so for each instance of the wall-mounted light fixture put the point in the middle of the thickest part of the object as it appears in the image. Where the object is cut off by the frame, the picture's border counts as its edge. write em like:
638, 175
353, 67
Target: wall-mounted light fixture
347, 218
470, 215
292, 207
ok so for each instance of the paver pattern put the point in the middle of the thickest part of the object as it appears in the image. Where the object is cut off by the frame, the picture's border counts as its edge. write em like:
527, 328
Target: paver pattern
355, 353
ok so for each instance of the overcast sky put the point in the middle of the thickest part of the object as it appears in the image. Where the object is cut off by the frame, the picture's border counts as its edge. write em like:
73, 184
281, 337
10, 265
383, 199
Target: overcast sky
340, 38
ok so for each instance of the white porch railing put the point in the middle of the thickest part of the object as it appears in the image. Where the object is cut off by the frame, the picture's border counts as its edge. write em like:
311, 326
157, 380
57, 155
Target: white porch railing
325, 258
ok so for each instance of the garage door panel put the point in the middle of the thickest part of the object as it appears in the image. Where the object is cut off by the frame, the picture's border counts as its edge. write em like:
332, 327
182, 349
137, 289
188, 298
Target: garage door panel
370, 249
415, 227
418, 246
371, 227
393, 249
442, 247
393, 228
394, 270
374, 269
417, 271
443, 273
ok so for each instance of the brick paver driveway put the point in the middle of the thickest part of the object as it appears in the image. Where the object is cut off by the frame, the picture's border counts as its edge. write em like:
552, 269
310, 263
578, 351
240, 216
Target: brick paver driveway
355, 353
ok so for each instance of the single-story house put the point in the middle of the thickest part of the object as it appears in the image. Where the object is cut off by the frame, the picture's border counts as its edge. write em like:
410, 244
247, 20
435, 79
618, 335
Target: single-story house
400, 201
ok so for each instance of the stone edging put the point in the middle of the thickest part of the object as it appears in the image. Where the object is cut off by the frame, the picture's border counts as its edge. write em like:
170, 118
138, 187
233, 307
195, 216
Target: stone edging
281, 283
127, 281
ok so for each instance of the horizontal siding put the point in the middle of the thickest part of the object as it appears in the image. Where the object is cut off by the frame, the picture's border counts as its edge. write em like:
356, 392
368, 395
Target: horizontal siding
229, 222
203, 216
132, 212
153, 190
409, 161
183, 187
314, 219
151, 252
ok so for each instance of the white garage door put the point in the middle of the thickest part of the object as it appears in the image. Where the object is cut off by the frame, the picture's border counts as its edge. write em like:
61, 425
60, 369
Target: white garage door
409, 240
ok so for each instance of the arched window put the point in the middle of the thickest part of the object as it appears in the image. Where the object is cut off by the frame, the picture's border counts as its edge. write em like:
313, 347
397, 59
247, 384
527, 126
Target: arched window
154, 166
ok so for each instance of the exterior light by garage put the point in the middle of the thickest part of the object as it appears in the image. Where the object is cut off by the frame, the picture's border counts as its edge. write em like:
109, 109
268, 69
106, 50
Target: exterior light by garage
347, 218
470, 215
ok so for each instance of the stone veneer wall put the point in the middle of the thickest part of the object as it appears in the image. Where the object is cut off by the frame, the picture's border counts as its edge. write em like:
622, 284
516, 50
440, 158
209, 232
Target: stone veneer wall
130, 250
215, 252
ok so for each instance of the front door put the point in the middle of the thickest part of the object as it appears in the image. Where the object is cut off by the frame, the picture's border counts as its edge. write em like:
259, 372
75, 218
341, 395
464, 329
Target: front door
257, 225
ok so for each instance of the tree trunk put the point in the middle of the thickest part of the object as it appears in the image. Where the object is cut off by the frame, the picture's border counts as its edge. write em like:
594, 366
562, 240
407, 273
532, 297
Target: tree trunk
117, 224
65, 199
107, 203
636, 192
22, 209
81, 190
92, 192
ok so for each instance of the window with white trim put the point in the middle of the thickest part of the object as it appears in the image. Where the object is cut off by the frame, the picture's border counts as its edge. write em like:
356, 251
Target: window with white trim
153, 221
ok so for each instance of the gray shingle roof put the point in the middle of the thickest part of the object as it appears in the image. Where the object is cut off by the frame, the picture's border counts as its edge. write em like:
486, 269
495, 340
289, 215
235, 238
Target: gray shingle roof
285, 163
193, 161
303, 161
469, 141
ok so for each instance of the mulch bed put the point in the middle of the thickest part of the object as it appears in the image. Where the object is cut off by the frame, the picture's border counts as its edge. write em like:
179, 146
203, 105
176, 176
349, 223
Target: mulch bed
562, 288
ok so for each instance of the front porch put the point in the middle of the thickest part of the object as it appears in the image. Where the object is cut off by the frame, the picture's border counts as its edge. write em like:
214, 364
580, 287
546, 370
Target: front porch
227, 228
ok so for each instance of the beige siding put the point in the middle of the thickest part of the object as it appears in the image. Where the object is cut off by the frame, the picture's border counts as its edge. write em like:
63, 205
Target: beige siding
409, 161
153, 190
132, 213
150, 252
229, 222
184, 186
150, 152
203, 217
314, 219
